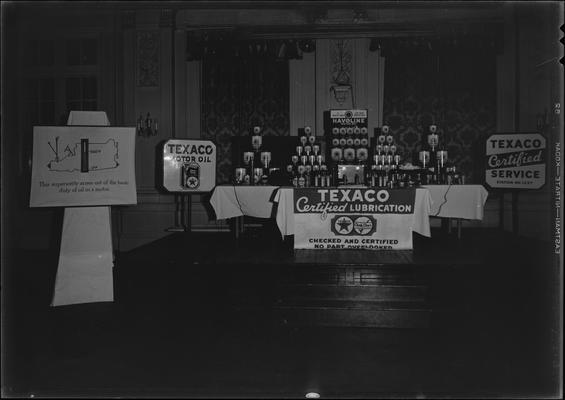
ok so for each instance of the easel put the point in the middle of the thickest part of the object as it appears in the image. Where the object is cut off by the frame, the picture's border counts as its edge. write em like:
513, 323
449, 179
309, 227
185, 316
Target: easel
84, 272
183, 211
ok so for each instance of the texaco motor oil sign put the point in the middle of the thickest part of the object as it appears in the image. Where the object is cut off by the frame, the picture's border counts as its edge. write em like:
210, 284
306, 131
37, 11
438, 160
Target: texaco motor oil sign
516, 161
189, 165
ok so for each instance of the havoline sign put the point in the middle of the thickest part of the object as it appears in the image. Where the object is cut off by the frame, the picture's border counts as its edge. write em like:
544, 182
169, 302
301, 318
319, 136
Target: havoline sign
516, 161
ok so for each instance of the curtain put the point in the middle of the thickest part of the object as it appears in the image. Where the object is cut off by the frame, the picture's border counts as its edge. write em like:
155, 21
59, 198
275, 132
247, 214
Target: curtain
238, 94
455, 91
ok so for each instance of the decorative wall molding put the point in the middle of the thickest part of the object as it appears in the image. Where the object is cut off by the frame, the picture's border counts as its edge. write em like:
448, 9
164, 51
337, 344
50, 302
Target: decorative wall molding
375, 73
372, 20
148, 60
193, 100
341, 72
302, 99
128, 19
167, 18
341, 58
363, 69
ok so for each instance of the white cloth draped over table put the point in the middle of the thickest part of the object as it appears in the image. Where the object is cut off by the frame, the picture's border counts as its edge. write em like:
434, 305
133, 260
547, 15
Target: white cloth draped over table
258, 201
458, 201
237, 201
285, 211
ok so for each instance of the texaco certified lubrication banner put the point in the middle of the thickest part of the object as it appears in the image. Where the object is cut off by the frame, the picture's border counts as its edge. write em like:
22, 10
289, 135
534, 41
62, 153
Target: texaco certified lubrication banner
83, 166
352, 218
516, 161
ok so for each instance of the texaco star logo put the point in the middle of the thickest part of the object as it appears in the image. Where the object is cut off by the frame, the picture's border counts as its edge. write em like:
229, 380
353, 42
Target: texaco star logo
192, 182
343, 225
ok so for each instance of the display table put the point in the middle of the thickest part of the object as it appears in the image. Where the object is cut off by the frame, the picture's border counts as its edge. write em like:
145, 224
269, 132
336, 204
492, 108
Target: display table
258, 201
458, 202
444, 201
238, 201
285, 211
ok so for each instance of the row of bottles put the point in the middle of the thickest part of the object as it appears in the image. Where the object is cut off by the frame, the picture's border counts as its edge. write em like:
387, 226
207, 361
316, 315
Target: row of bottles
256, 164
379, 176
310, 175
384, 176
307, 167
433, 160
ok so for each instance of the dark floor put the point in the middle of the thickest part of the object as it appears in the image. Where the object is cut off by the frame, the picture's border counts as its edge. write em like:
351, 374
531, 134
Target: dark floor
193, 318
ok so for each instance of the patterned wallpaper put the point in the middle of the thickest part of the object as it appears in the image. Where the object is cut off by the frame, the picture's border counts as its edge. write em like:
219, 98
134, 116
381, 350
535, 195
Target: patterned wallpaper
238, 94
148, 58
455, 91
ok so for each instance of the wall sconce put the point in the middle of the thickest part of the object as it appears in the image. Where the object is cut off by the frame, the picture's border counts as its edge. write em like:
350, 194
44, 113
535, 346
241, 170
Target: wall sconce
148, 126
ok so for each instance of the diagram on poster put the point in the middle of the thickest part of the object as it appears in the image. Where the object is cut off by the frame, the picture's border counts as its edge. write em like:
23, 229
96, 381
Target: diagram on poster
84, 156
83, 166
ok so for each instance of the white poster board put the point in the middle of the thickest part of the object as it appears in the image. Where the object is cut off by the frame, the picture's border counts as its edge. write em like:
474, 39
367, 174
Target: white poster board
353, 218
83, 166
189, 166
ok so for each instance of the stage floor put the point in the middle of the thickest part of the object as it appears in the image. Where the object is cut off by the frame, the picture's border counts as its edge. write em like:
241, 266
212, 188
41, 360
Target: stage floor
178, 327
265, 246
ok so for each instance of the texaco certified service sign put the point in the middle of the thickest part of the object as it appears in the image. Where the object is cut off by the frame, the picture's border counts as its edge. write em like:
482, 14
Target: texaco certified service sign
516, 161
189, 165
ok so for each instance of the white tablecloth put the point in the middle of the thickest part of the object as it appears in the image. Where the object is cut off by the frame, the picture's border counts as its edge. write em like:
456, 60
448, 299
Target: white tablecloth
285, 211
236, 201
463, 201
458, 201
